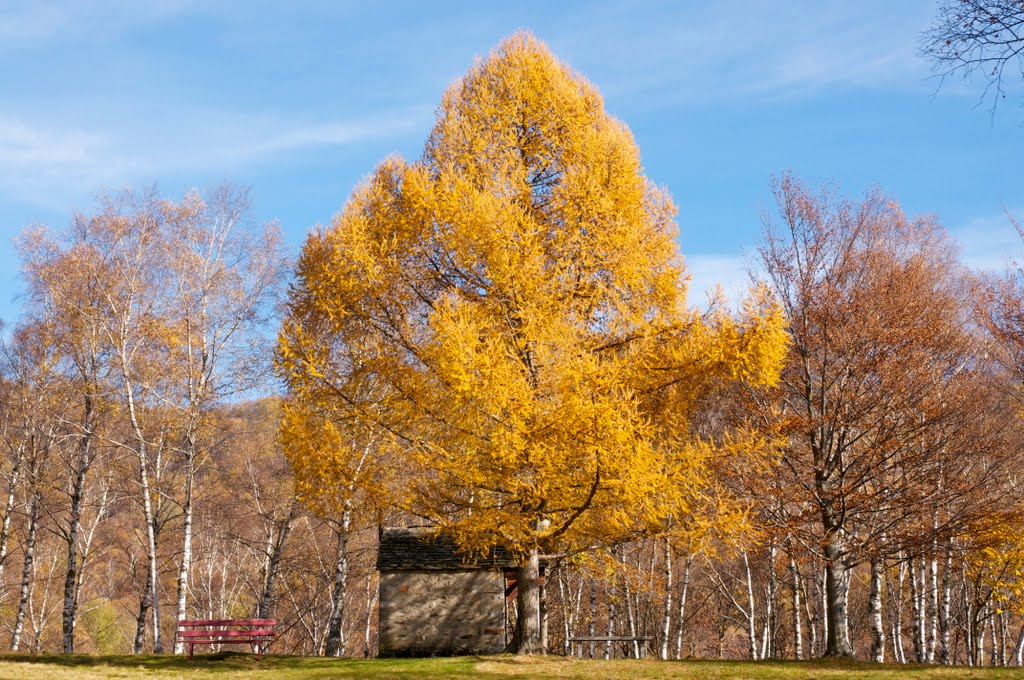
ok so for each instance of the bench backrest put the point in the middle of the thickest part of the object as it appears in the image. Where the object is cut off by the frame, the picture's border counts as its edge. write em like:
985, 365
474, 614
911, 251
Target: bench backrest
227, 623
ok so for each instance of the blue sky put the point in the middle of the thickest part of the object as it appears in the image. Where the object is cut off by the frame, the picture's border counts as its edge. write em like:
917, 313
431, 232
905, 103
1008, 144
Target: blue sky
300, 100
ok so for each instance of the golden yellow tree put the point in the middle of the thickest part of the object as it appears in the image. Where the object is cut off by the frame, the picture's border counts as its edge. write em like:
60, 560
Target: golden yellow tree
507, 317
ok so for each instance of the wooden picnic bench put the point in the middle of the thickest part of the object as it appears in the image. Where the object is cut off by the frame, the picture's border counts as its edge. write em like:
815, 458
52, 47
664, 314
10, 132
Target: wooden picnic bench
256, 632
642, 648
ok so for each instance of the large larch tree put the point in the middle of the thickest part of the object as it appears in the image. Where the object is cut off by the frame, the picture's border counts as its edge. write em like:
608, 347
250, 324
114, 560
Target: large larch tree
507, 317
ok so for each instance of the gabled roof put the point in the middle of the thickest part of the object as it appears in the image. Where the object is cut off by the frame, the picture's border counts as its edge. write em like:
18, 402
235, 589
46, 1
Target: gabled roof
421, 548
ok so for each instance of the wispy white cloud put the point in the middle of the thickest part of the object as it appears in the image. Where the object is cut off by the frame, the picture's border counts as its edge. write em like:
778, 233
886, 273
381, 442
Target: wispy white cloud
338, 133
36, 162
989, 243
714, 273
47, 165
29, 24
23, 145
731, 49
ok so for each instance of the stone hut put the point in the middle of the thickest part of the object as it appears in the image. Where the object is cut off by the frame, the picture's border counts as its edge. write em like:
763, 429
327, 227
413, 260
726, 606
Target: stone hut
438, 601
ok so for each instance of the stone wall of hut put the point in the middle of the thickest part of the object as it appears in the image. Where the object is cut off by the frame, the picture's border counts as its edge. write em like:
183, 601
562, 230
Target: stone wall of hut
441, 613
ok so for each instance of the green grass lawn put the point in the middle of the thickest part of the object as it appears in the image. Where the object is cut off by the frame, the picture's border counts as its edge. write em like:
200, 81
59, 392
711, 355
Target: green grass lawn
235, 666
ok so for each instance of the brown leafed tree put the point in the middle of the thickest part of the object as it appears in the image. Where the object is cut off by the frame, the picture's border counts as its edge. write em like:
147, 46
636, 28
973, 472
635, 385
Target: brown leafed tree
65, 283
883, 397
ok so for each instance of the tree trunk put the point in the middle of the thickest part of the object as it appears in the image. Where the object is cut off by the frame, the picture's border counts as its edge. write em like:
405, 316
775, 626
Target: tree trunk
12, 487
838, 634
666, 620
273, 561
917, 610
372, 595
566, 611
769, 632
944, 611
969, 619
186, 539
632, 613
151, 554
141, 451
813, 616
798, 640
751, 618
26, 571
336, 624
1002, 638
722, 627
145, 602
875, 612
897, 609
611, 618
593, 612
527, 639
933, 608
979, 637
681, 613
69, 613
824, 607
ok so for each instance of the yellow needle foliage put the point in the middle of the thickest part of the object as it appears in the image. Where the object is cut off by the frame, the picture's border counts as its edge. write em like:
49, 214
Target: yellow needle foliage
995, 558
507, 316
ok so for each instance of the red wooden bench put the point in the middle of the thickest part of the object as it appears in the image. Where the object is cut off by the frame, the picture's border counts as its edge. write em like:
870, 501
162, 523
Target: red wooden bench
256, 632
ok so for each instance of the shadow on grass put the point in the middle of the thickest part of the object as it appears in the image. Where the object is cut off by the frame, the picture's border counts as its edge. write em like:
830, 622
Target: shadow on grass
233, 660
239, 664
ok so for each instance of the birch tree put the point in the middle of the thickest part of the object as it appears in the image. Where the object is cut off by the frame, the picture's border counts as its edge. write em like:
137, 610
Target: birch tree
225, 270
882, 393
65, 279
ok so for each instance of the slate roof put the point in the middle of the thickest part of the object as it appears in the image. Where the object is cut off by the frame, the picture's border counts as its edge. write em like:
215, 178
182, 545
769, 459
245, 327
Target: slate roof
419, 549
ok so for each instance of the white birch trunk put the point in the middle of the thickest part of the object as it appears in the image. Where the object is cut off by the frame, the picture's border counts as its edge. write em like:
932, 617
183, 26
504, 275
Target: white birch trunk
12, 486
611, 618
769, 632
875, 612
916, 611
897, 640
666, 621
798, 639
933, 607
336, 623
824, 606
141, 451
751, 618
372, 596
681, 613
185, 565
69, 613
28, 568
945, 610
566, 612
630, 618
